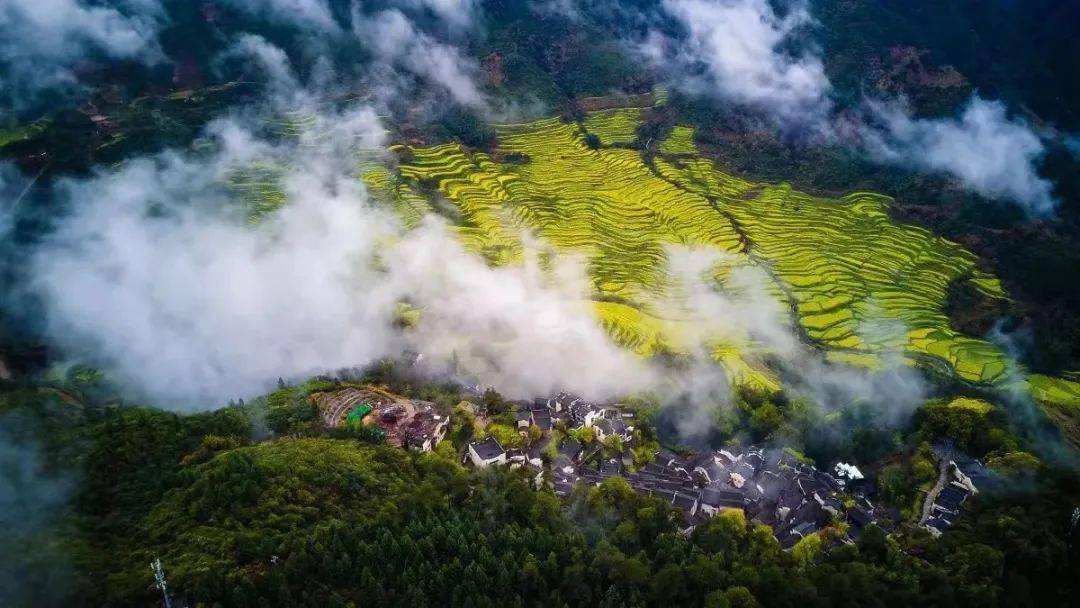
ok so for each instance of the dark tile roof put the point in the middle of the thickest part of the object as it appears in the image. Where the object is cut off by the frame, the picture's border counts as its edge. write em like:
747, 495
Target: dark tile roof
699, 460
665, 456
766, 516
859, 517
562, 488
743, 468
487, 449
684, 501
653, 469
755, 460
790, 499
951, 497
612, 467
570, 448
542, 419
719, 497
752, 491
834, 504
809, 512
937, 523
536, 449
664, 495
713, 471
788, 540
808, 485
670, 485
828, 480
805, 528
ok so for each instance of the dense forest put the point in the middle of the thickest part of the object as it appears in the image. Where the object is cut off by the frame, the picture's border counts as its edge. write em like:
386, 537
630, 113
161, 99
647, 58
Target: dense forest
242, 515
262, 503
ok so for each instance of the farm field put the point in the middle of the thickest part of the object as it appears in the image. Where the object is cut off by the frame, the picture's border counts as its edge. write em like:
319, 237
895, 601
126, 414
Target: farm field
850, 280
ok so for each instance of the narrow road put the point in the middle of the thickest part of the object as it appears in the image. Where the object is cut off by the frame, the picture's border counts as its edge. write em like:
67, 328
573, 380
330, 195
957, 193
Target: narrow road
931, 496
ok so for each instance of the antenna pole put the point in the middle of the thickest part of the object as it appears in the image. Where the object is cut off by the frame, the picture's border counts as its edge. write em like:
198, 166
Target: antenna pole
159, 577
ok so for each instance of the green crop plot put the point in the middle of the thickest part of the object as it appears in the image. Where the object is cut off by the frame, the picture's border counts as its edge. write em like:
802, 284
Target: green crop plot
1059, 391
295, 125
258, 187
857, 284
679, 141
388, 187
355, 418
614, 127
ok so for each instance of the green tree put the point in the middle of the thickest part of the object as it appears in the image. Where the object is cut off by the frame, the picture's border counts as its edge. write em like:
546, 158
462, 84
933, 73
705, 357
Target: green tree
493, 403
765, 419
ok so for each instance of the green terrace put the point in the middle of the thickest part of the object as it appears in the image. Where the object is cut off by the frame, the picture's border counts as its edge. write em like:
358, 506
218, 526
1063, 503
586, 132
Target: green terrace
858, 285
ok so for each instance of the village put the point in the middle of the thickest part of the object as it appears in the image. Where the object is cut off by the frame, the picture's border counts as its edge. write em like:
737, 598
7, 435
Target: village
407, 423
770, 487
563, 442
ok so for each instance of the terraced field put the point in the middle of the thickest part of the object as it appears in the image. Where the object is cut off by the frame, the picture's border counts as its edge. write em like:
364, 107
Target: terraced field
849, 280
614, 127
258, 187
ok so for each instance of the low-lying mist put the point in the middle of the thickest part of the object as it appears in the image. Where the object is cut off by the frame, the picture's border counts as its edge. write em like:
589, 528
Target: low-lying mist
157, 275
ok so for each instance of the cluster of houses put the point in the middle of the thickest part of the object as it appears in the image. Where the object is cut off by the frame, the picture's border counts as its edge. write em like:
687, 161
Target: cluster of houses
411, 424
943, 508
605, 420
424, 429
770, 486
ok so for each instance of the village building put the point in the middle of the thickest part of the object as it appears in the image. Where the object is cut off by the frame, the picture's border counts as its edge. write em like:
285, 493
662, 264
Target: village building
769, 486
945, 506
523, 418
487, 452
715, 499
424, 430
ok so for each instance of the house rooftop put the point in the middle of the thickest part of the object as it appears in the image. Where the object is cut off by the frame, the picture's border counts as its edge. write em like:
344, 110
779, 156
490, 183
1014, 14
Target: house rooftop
951, 497
859, 517
562, 488
570, 448
542, 419
487, 449
805, 528
719, 497
937, 523
684, 501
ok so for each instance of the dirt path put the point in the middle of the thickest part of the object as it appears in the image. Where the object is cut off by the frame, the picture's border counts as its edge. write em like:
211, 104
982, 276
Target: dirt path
931, 496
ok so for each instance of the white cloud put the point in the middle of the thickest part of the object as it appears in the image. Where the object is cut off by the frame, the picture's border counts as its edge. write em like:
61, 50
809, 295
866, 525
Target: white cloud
562, 8
311, 15
746, 313
1072, 142
989, 152
518, 328
12, 190
398, 44
44, 39
317, 15
741, 50
157, 276
270, 62
458, 14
